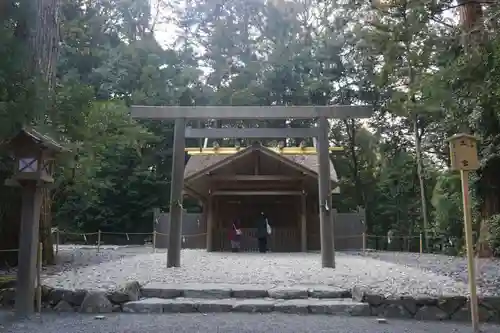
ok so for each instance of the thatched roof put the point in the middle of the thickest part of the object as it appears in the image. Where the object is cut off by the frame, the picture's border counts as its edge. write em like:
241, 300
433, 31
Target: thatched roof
198, 163
37, 137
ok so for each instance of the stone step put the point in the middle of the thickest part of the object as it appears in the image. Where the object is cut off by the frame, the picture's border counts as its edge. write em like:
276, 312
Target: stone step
254, 305
224, 291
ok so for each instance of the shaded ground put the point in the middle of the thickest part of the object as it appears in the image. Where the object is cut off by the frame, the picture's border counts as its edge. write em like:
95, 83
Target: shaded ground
228, 323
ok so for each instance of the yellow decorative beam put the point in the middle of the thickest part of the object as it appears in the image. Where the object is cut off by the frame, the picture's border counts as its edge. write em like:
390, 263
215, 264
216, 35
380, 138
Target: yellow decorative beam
233, 150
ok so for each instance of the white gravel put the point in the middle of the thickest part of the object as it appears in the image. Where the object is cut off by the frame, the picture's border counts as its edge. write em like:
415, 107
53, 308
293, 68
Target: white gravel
386, 272
198, 266
487, 269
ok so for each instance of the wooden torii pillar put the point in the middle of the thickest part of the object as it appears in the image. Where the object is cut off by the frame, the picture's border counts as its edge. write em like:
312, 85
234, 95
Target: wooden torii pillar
182, 113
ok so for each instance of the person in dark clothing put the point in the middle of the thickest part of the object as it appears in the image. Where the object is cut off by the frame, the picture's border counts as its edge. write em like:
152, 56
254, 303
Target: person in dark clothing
262, 232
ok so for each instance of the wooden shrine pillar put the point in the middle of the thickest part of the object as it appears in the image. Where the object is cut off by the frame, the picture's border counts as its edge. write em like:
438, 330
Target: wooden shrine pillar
176, 210
303, 223
324, 191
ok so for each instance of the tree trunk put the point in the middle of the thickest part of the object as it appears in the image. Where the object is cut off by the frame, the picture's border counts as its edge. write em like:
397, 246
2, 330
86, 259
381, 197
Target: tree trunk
43, 23
44, 41
46, 227
421, 180
351, 134
471, 14
471, 17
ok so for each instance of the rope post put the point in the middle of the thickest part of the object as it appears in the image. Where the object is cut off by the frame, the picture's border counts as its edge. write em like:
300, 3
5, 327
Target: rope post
421, 243
154, 241
98, 241
39, 278
364, 242
57, 241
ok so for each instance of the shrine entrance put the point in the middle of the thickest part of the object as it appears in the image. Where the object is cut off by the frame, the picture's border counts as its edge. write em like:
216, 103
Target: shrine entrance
281, 183
283, 213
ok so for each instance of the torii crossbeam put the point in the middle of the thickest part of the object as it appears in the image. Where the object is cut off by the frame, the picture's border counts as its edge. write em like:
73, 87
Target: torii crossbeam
181, 113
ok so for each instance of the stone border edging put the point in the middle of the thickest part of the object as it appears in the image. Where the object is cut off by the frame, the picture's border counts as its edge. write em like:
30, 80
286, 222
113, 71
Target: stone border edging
454, 308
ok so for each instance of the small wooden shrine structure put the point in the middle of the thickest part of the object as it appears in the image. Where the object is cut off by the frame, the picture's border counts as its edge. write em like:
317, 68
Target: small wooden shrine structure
240, 183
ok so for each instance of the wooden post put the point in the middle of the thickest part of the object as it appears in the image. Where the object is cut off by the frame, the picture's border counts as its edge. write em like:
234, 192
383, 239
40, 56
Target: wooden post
463, 153
303, 224
154, 241
57, 241
98, 241
39, 278
364, 242
464, 176
420, 242
324, 189
210, 224
156, 216
178, 161
28, 249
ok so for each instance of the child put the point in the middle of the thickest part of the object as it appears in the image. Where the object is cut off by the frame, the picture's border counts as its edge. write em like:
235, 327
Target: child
235, 236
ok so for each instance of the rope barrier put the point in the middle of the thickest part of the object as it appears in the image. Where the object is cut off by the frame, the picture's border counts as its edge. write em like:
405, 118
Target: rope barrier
78, 233
365, 237
193, 235
125, 233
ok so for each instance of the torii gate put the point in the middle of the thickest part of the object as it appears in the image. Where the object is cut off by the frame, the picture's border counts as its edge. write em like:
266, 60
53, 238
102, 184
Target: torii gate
183, 113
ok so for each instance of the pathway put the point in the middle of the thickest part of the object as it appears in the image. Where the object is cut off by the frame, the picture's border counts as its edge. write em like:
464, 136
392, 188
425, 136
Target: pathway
228, 323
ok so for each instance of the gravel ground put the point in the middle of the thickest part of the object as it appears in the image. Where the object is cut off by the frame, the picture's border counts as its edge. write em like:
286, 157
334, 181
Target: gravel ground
386, 272
198, 266
487, 270
228, 323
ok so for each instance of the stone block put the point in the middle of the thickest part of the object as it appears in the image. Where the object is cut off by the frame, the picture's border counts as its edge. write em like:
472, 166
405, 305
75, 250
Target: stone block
339, 307
296, 306
180, 305
254, 305
74, 297
118, 297
215, 305
492, 303
362, 294
391, 310
249, 291
409, 303
430, 312
148, 305
63, 306
133, 290
56, 295
161, 290
464, 314
288, 292
96, 302
451, 304
328, 292
46, 290
205, 290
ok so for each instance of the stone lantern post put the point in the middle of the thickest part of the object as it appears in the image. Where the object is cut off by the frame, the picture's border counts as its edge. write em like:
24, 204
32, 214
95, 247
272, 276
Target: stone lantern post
34, 155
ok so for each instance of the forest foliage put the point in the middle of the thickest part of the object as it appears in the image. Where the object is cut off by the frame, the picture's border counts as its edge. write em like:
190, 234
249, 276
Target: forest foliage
406, 59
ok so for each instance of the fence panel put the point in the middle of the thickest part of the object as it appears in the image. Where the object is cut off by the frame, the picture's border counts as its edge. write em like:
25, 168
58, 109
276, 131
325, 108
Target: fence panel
348, 230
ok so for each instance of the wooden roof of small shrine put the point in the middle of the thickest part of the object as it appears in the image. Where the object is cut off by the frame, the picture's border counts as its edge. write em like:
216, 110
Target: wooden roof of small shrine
38, 138
201, 164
